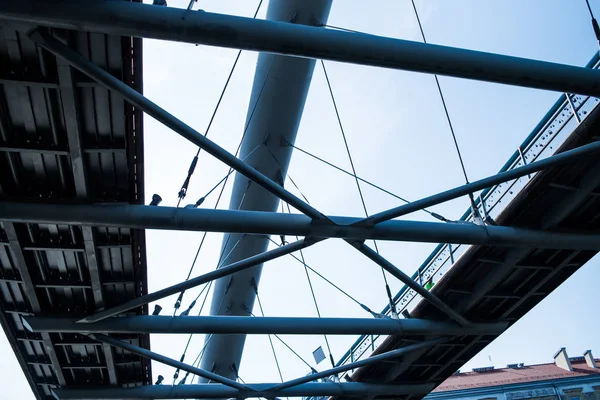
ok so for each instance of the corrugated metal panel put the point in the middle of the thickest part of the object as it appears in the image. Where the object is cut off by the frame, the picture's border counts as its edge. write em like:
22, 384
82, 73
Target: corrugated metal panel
64, 139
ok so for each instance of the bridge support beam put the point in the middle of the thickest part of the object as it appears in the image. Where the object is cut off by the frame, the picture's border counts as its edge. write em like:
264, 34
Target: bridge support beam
107, 340
390, 355
271, 223
397, 273
199, 27
261, 326
561, 158
218, 391
84, 65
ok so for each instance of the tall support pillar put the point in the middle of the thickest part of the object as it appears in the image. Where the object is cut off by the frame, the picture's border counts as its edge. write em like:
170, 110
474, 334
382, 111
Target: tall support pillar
278, 95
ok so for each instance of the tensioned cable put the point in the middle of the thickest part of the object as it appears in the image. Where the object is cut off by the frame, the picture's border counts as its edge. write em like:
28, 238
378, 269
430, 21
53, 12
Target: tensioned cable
294, 352
182, 193
201, 200
230, 169
314, 297
201, 353
269, 336
279, 338
364, 307
594, 22
287, 175
437, 82
301, 253
219, 263
187, 345
176, 374
433, 214
360, 193
439, 87
287, 345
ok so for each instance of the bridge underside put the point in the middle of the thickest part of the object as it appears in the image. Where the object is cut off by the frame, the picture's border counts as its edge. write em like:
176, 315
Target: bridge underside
500, 283
69, 140
66, 140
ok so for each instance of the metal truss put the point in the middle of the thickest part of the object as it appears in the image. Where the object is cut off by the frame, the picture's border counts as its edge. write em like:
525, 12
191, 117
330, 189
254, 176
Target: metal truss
199, 27
261, 325
131, 19
219, 391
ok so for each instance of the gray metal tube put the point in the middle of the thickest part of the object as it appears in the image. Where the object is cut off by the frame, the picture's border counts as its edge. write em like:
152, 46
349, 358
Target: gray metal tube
361, 363
131, 19
132, 96
271, 223
567, 156
202, 279
261, 326
166, 360
218, 391
277, 100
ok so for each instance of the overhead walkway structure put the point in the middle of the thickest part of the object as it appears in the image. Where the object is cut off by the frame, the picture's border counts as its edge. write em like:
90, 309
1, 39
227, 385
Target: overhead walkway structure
73, 258
64, 139
486, 283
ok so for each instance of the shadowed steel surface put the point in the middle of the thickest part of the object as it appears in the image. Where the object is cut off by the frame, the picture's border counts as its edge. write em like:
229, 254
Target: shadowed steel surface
260, 325
218, 391
46, 41
294, 39
64, 140
499, 279
271, 223
499, 283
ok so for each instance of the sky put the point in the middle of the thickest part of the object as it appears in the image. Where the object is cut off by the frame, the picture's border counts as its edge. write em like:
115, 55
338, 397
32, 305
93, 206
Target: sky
399, 139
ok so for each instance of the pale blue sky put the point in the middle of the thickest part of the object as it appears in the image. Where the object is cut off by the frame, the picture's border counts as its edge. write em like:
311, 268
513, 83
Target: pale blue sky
399, 139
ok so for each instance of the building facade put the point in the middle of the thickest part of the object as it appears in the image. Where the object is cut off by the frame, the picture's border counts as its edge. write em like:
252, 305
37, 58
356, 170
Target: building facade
567, 378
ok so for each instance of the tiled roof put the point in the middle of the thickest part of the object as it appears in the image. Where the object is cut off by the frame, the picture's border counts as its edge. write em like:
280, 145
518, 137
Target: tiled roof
506, 376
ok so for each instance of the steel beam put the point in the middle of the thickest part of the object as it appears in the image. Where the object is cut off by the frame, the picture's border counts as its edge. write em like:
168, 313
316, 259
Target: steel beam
500, 269
561, 158
270, 223
260, 325
71, 113
54, 46
396, 272
199, 27
218, 391
29, 289
107, 340
361, 363
210, 276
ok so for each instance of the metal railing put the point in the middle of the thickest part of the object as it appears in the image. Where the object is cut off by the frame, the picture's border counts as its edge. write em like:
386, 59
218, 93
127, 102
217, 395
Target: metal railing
556, 126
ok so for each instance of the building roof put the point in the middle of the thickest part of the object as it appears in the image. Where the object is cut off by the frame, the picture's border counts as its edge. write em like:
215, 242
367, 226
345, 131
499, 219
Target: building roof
507, 376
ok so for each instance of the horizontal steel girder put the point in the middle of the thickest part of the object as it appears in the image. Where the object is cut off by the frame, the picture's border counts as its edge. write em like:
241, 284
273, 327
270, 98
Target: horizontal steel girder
260, 325
256, 222
166, 360
573, 155
374, 359
112, 83
199, 27
218, 391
